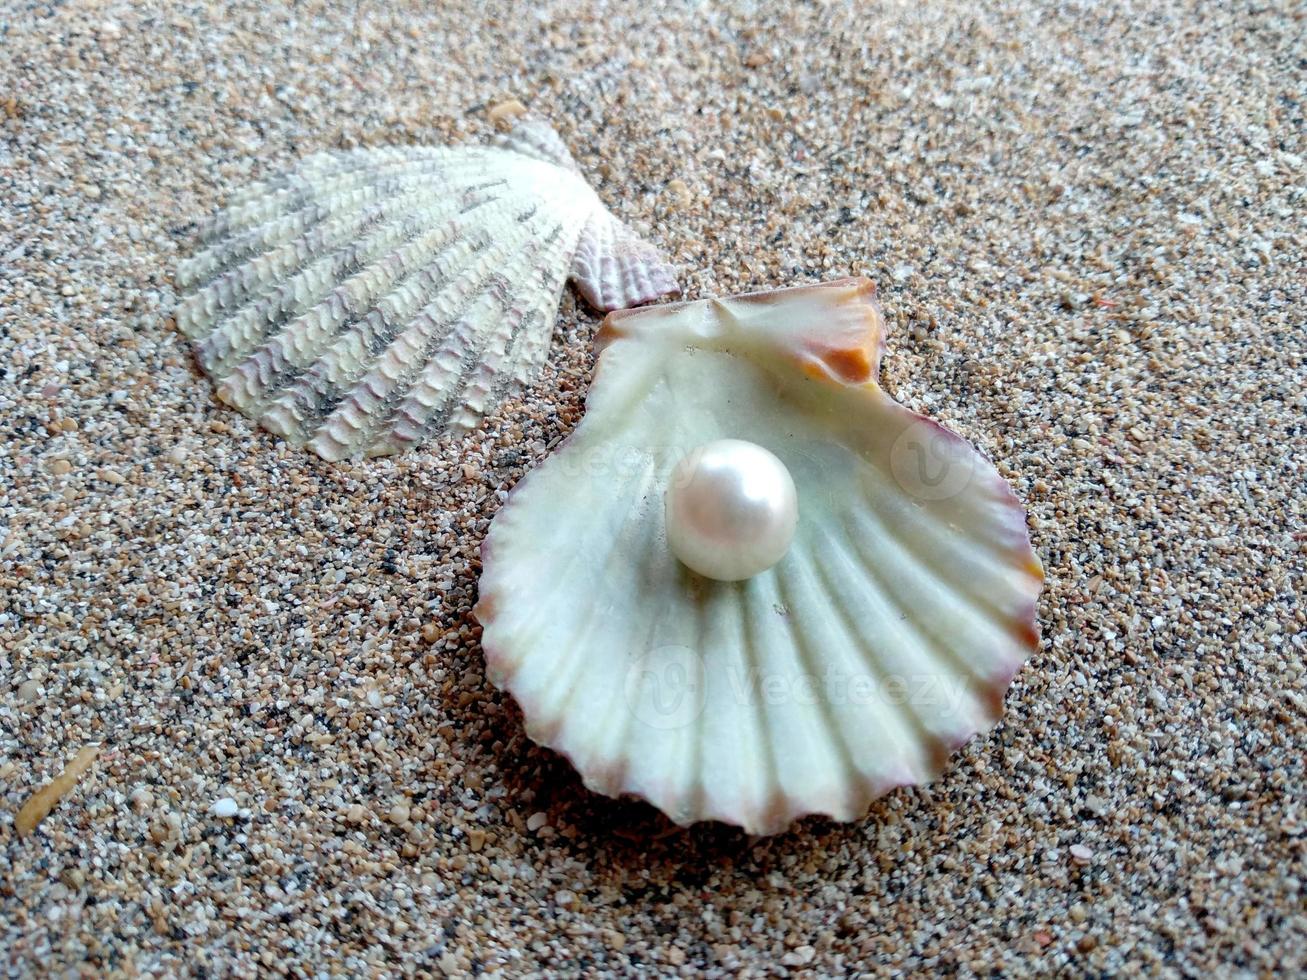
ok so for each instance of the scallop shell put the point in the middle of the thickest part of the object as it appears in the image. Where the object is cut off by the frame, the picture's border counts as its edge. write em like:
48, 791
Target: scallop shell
374, 298
883, 640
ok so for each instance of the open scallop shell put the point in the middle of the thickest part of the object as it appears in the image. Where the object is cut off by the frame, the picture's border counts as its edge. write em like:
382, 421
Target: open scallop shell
883, 640
373, 298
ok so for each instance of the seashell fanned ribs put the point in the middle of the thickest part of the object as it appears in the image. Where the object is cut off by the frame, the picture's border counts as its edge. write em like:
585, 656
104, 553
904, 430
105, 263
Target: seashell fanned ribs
374, 298
885, 637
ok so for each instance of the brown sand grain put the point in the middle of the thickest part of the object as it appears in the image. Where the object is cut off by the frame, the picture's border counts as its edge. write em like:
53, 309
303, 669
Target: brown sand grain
1087, 224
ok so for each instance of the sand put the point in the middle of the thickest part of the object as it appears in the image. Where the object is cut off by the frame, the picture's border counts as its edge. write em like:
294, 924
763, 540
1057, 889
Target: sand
1086, 223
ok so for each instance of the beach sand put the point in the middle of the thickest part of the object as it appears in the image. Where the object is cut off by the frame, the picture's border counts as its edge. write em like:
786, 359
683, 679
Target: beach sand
1086, 223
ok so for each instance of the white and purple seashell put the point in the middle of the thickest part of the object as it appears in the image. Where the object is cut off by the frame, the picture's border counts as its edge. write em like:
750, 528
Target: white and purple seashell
372, 299
703, 647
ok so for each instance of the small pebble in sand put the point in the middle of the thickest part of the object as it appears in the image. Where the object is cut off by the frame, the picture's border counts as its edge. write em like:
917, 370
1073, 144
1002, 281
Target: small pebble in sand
506, 112
167, 828
40, 803
678, 193
799, 956
141, 799
224, 808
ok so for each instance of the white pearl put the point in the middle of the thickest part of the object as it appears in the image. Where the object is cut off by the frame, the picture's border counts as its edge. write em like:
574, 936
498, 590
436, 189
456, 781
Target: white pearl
731, 510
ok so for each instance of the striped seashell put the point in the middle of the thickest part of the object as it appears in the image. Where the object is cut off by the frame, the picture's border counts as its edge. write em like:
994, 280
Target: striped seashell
372, 299
885, 637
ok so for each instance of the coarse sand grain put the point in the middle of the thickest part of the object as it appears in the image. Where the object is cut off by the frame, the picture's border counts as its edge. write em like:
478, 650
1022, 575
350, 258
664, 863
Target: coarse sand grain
1087, 225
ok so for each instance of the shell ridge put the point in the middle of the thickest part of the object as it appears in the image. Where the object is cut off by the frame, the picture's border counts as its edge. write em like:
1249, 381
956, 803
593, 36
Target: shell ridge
209, 262
611, 264
424, 254
803, 732
306, 186
982, 680
235, 330
489, 380
284, 295
383, 398
831, 729
562, 687
318, 163
937, 745
312, 223
335, 309
717, 590
941, 541
576, 555
322, 387
428, 402
535, 347
322, 383
890, 732
438, 400
357, 268
526, 344
328, 219
510, 673
772, 790
751, 765
617, 779
321, 204
686, 804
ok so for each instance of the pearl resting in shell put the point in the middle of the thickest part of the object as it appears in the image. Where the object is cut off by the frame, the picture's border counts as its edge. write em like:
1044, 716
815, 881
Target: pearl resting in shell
731, 510
884, 638
371, 299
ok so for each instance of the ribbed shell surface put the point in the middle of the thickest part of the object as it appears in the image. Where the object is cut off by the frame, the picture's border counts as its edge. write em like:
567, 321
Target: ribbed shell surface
882, 641
374, 298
